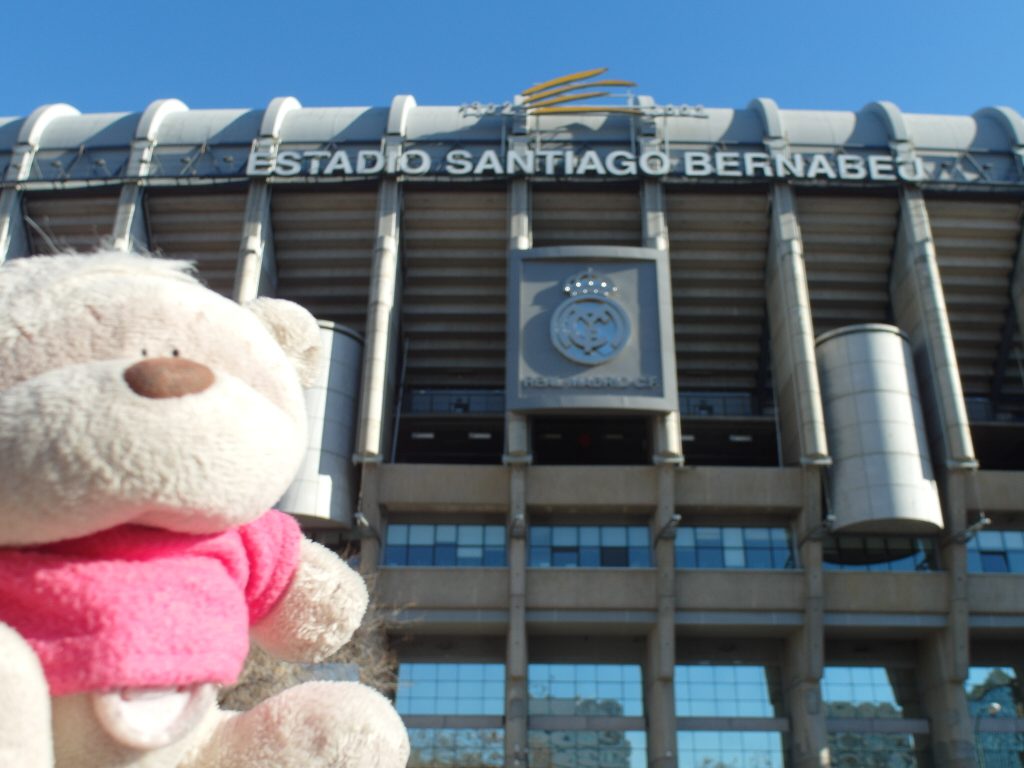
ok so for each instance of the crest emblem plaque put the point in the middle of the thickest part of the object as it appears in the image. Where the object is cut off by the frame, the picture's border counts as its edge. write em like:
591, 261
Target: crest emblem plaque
589, 327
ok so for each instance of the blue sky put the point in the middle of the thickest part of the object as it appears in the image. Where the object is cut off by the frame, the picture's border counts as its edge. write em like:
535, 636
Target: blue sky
935, 56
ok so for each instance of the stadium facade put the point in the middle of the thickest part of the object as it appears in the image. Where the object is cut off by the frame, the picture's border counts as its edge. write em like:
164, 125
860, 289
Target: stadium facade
671, 433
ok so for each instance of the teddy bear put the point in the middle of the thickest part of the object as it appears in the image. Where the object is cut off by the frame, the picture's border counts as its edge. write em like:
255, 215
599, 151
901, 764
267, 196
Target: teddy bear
147, 425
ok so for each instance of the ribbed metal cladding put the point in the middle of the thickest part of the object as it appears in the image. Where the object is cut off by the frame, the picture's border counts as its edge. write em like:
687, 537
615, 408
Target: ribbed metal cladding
70, 222
323, 242
976, 242
586, 215
848, 244
453, 296
717, 245
203, 227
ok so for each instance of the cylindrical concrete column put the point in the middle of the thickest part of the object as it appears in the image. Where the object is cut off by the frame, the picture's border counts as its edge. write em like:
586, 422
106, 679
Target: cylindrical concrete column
881, 478
324, 490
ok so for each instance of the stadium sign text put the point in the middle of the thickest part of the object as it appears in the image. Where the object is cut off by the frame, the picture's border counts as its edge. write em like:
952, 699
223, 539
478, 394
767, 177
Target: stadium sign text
568, 162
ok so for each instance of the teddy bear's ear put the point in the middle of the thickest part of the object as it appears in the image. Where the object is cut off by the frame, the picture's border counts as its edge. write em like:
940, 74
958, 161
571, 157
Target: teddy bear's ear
295, 330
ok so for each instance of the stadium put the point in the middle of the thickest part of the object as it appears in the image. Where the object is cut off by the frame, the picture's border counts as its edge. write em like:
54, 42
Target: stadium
674, 436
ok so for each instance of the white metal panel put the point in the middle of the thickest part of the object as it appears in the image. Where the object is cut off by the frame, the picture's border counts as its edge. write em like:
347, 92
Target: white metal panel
204, 227
848, 244
323, 242
318, 125
717, 245
69, 222
976, 242
453, 298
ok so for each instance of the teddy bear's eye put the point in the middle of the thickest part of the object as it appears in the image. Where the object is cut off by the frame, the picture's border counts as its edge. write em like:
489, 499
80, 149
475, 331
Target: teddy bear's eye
144, 353
174, 353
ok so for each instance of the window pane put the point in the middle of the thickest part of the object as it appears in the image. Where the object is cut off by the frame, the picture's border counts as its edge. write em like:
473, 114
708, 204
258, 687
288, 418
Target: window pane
850, 552
583, 749
734, 547
471, 535
445, 545
993, 692
446, 534
867, 750
726, 690
421, 534
866, 692
742, 749
451, 747
398, 534
590, 546
609, 690
448, 688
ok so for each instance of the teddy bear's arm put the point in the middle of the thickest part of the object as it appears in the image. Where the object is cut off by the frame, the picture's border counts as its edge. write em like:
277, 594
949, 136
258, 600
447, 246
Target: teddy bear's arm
319, 612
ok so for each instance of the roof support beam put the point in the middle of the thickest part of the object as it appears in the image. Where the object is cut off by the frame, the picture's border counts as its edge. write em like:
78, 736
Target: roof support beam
256, 269
920, 308
130, 230
13, 237
1017, 292
382, 314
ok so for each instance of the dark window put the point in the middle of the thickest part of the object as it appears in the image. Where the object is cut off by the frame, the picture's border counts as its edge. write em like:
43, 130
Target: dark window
847, 552
590, 546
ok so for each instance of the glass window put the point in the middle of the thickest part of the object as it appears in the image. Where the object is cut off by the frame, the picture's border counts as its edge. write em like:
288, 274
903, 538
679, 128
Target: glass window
862, 749
879, 553
469, 690
450, 689
590, 546
607, 690
994, 693
727, 690
742, 749
996, 552
864, 692
444, 545
583, 749
451, 747
707, 546
871, 693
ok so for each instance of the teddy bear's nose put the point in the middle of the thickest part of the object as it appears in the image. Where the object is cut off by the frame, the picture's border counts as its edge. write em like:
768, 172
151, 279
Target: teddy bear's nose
161, 377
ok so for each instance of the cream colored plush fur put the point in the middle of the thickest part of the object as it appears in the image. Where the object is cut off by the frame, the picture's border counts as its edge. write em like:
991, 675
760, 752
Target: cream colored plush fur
80, 452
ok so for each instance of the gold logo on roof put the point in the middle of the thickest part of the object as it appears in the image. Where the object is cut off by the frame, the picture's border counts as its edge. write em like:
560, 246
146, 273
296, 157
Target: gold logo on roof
561, 95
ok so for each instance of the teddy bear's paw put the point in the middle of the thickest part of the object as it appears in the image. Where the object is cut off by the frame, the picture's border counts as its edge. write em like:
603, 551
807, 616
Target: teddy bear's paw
25, 739
322, 608
149, 718
314, 725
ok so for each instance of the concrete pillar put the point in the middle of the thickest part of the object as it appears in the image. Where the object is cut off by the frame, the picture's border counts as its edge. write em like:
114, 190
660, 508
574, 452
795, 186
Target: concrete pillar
945, 656
130, 231
668, 441
794, 365
805, 649
368, 505
516, 652
256, 269
1017, 287
13, 238
659, 669
381, 325
382, 313
517, 458
919, 307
